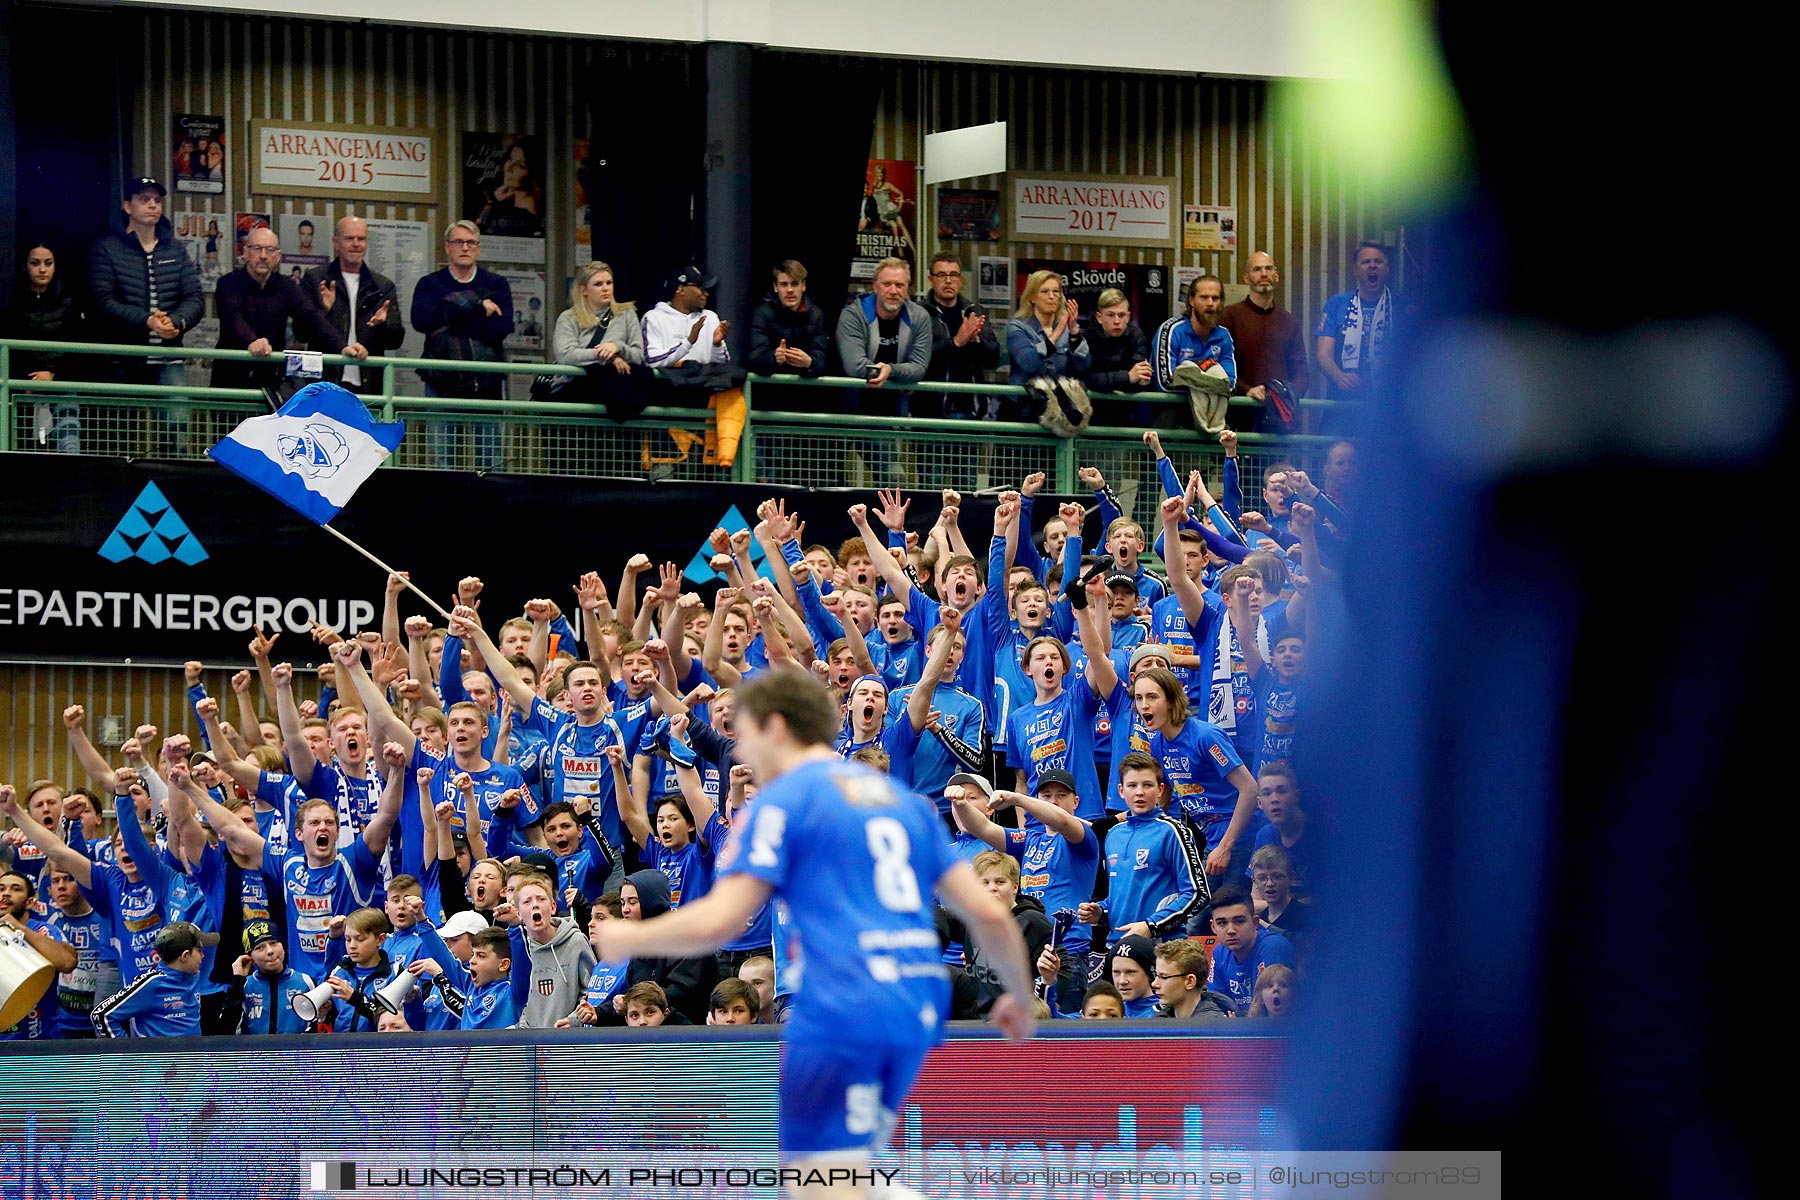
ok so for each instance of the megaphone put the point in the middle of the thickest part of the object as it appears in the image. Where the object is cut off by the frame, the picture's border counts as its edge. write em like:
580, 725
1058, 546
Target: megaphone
392, 994
307, 1005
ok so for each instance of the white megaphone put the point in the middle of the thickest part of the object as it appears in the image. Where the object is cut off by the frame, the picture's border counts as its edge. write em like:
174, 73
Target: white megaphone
308, 1004
392, 994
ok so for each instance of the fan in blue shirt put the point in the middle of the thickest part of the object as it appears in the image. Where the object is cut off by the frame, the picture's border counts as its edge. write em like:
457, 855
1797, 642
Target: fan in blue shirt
867, 705
1056, 731
131, 896
318, 879
1154, 879
854, 857
688, 833
268, 984
958, 738
480, 995
96, 973
576, 759
163, 1001
1244, 949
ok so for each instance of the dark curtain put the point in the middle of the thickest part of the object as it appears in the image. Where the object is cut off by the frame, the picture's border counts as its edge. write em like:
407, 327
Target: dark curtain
646, 122
815, 121
67, 133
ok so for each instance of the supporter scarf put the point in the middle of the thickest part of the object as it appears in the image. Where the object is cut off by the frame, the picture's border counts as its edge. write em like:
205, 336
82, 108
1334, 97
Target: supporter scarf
1232, 693
1357, 336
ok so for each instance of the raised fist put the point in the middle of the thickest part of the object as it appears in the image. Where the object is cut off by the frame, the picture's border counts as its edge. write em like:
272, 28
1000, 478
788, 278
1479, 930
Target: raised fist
191, 670
417, 627
74, 717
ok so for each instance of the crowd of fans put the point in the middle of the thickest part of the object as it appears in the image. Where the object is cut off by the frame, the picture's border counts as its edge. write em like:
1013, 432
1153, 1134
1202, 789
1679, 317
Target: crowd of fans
431, 839
142, 287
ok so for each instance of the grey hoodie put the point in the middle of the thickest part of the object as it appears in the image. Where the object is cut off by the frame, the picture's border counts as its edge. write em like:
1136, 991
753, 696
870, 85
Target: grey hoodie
559, 976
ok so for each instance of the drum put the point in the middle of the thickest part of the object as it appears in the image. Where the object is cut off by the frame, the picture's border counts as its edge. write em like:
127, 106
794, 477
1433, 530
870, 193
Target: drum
25, 975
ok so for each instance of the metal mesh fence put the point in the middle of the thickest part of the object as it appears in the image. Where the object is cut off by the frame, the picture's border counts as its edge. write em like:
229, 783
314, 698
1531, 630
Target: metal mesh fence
583, 446
885, 458
106, 426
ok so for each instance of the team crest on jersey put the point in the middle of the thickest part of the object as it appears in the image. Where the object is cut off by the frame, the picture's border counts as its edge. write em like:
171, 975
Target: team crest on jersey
1143, 856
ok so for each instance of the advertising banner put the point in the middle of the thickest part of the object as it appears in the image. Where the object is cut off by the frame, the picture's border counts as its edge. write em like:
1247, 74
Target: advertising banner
199, 154
162, 561
503, 193
1146, 285
884, 220
969, 215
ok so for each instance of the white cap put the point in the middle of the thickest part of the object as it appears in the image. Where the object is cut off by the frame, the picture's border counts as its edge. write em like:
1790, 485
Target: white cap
974, 781
462, 924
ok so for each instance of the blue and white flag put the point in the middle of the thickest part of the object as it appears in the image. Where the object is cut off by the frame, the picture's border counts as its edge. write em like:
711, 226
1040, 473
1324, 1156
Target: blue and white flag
313, 453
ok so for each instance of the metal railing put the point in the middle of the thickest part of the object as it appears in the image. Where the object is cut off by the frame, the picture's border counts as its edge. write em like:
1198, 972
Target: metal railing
786, 438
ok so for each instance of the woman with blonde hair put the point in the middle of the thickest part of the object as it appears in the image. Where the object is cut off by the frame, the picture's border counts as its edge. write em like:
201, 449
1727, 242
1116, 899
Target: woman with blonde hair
1047, 351
602, 333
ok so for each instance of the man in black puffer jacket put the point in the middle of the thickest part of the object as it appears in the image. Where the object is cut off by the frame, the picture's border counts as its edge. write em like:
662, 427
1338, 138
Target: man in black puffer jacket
146, 290
787, 331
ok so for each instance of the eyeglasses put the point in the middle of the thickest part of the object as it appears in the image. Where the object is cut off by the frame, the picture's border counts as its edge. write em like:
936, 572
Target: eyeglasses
462, 243
1182, 975
946, 274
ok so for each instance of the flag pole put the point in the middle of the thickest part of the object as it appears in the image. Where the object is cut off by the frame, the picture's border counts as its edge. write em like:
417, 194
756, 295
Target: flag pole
435, 606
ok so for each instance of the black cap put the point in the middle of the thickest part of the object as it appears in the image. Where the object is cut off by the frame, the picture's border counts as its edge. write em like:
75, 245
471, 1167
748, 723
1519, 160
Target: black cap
1120, 579
176, 939
258, 932
694, 275
541, 861
142, 183
1057, 775
1140, 950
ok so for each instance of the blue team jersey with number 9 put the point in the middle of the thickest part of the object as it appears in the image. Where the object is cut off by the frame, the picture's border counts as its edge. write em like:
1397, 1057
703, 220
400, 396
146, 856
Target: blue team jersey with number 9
856, 857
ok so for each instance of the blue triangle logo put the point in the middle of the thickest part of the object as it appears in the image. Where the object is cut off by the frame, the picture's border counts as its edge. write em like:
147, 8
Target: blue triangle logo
152, 531
700, 569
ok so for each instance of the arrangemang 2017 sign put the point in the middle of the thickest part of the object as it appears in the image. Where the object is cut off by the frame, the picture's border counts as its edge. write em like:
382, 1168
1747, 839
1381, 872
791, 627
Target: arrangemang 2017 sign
1107, 210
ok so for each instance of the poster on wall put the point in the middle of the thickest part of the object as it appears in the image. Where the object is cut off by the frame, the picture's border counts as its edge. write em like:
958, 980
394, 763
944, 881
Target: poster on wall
1184, 278
883, 223
584, 213
242, 223
404, 251
968, 215
305, 239
306, 158
1109, 211
1146, 285
503, 193
1209, 227
199, 234
199, 154
993, 281
526, 341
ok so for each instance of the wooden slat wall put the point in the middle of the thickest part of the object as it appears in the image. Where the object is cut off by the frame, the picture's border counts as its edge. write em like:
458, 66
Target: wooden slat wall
1215, 136
443, 80
32, 699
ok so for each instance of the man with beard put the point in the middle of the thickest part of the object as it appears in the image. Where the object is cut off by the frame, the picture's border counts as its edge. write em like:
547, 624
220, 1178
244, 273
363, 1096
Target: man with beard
1194, 353
16, 893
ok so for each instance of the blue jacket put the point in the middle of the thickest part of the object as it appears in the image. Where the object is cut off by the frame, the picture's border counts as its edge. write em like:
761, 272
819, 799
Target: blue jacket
1177, 343
162, 1002
1154, 874
269, 1003
1031, 355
